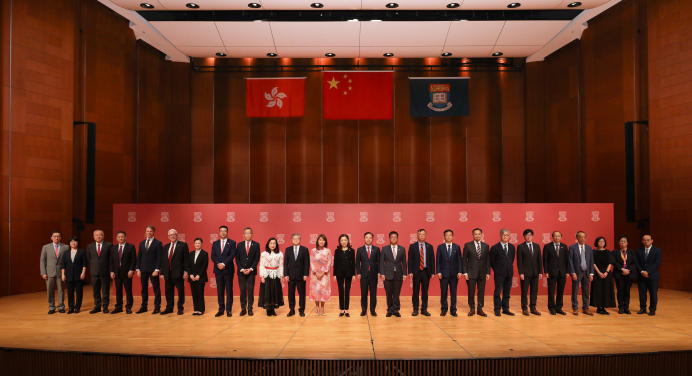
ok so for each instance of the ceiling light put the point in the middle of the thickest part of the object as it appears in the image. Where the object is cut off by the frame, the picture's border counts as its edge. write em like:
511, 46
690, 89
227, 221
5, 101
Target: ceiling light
353, 20
375, 20
192, 5
392, 5
514, 5
271, 54
498, 54
316, 5
220, 54
254, 5
447, 54
453, 5
146, 6
574, 5
388, 54
329, 54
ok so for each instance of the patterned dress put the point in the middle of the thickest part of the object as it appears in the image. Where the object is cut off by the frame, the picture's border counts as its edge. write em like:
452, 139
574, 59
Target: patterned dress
321, 261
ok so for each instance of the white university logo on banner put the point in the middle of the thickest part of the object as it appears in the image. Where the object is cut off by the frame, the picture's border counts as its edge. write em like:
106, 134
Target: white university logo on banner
430, 216
181, 237
230, 217
164, 217
264, 216
380, 238
463, 217
529, 216
313, 238
363, 216
413, 238
296, 217
397, 216
330, 216
594, 216
515, 282
513, 238
131, 216
198, 217
546, 237
349, 237
280, 238
212, 283
214, 237
496, 216
563, 216
150, 285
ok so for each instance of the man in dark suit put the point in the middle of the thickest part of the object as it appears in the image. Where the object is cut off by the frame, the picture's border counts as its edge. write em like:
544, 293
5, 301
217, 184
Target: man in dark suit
530, 268
421, 268
648, 261
222, 254
174, 271
581, 267
476, 269
393, 272
449, 269
624, 272
98, 256
148, 261
247, 255
296, 271
367, 269
556, 268
123, 265
502, 257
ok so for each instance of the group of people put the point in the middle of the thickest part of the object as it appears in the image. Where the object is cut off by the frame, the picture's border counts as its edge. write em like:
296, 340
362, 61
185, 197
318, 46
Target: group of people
593, 270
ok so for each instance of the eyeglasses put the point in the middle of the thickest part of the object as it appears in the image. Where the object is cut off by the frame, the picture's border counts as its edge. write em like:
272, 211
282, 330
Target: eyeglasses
171, 235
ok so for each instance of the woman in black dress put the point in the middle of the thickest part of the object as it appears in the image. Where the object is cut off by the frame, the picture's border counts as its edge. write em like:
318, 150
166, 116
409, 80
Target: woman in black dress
344, 272
602, 293
271, 269
74, 265
197, 262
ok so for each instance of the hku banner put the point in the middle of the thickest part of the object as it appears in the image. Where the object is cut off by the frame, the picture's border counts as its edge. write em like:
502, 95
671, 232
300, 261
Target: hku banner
445, 96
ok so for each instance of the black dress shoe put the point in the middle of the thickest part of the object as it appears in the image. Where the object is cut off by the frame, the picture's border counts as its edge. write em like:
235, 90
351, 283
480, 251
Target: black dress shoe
249, 313
443, 313
627, 311
373, 313
508, 313
291, 313
415, 313
387, 315
347, 314
243, 312
301, 313
341, 314
397, 314
621, 311
70, 311
424, 313
454, 314
363, 313
76, 310
128, 311
156, 311
180, 312
220, 313
118, 310
61, 310
51, 312
229, 314
560, 312
552, 313
167, 311
497, 313
195, 314
652, 313
105, 310
141, 310
641, 312
95, 310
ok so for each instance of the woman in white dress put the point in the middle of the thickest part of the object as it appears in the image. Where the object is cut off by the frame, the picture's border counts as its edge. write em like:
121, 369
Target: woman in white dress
271, 269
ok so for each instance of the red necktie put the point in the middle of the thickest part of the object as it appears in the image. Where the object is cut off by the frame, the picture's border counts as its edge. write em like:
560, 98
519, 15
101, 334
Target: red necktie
422, 257
120, 255
170, 255
57, 251
247, 247
368, 252
98, 249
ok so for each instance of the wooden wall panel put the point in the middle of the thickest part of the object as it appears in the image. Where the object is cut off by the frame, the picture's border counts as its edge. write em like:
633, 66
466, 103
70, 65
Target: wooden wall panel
514, 141
536, 172
202, 136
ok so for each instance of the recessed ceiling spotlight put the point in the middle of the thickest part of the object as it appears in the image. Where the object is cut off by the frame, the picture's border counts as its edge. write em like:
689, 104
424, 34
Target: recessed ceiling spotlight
271, 54
329, 54
317, 5
254, 5
146, 6
514, 5
498, 54
220, 54
447, 54
192, 5
353, 20
388, 54
392, 5
453, 5
574, 4
375, 20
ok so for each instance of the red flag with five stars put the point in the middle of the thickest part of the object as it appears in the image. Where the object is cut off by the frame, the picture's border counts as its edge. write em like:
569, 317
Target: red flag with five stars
357, 94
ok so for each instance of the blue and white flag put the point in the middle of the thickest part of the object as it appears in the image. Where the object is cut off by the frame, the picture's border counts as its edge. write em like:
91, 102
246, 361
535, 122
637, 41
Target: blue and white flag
445, 96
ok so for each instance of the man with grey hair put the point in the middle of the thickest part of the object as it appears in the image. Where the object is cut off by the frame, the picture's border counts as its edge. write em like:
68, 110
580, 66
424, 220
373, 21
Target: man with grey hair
502, 263
296, 271
99, 259
51, 270
247, 256
174, 271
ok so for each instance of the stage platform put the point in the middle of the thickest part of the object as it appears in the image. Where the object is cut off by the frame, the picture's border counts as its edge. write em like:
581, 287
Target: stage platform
25, 324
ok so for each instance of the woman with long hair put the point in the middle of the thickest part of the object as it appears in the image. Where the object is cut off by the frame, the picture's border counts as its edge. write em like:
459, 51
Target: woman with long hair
344, 272
271, 269
321, 261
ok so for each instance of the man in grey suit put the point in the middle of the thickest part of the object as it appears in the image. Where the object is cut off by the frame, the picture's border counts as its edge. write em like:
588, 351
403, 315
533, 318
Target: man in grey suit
51, 271
581, 269
475, 267
99, 258
393, 272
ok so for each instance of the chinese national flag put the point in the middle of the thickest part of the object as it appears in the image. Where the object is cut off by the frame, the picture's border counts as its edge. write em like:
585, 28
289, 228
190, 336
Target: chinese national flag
357, 95
275, 97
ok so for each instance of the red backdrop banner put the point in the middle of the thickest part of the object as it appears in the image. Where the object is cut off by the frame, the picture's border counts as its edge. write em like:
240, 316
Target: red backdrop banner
310, 220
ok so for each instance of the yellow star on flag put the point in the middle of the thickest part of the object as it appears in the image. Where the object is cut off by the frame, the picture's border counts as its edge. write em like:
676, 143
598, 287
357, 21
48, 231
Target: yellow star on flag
332, 83
344, 93
345, 76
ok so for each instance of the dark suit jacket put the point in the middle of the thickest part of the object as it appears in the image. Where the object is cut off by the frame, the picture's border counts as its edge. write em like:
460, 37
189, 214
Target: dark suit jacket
296, 269
414, 259
148, 261
344, 263
127, 263
247, 260
362, 262
552, 264
178, 262
100, 266
448, 266
200, 267
388, 263
620, 262
471, 265
527, 265
650, 264
502, 265
226, 258
575, 259
73, 270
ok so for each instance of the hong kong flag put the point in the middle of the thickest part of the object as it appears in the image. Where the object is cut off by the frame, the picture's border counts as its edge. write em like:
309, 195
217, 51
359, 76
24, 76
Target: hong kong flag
357, 94
275, 97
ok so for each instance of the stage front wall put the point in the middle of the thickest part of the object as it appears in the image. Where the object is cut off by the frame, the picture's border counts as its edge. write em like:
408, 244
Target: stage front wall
310, 220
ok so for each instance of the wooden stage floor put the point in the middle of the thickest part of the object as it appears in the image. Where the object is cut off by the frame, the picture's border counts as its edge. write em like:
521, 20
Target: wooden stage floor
25, 324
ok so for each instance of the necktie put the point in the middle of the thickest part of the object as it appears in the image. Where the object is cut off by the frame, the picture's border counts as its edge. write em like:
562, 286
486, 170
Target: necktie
449, 251
368, 254
295, 253
57, 251
223, 245
646, 254
170, 255
147, 245
505, 247
478, 250
120, 255
98, 249
531, 248
247, 247
394, 252
557, 249
422, 257
583, 259
624, 258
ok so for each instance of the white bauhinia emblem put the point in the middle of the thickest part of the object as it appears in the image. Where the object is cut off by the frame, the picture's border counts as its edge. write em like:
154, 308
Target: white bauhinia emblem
275, 98
463, 217
131, 216
363, 216
380, 238
546, 238
595, 216
563, 216
164, 217
280, 238
529, 216
313, 238
430, 216
330, 216
198, 217
214, 237
230, 217
513, 238
496, 216
264, 216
